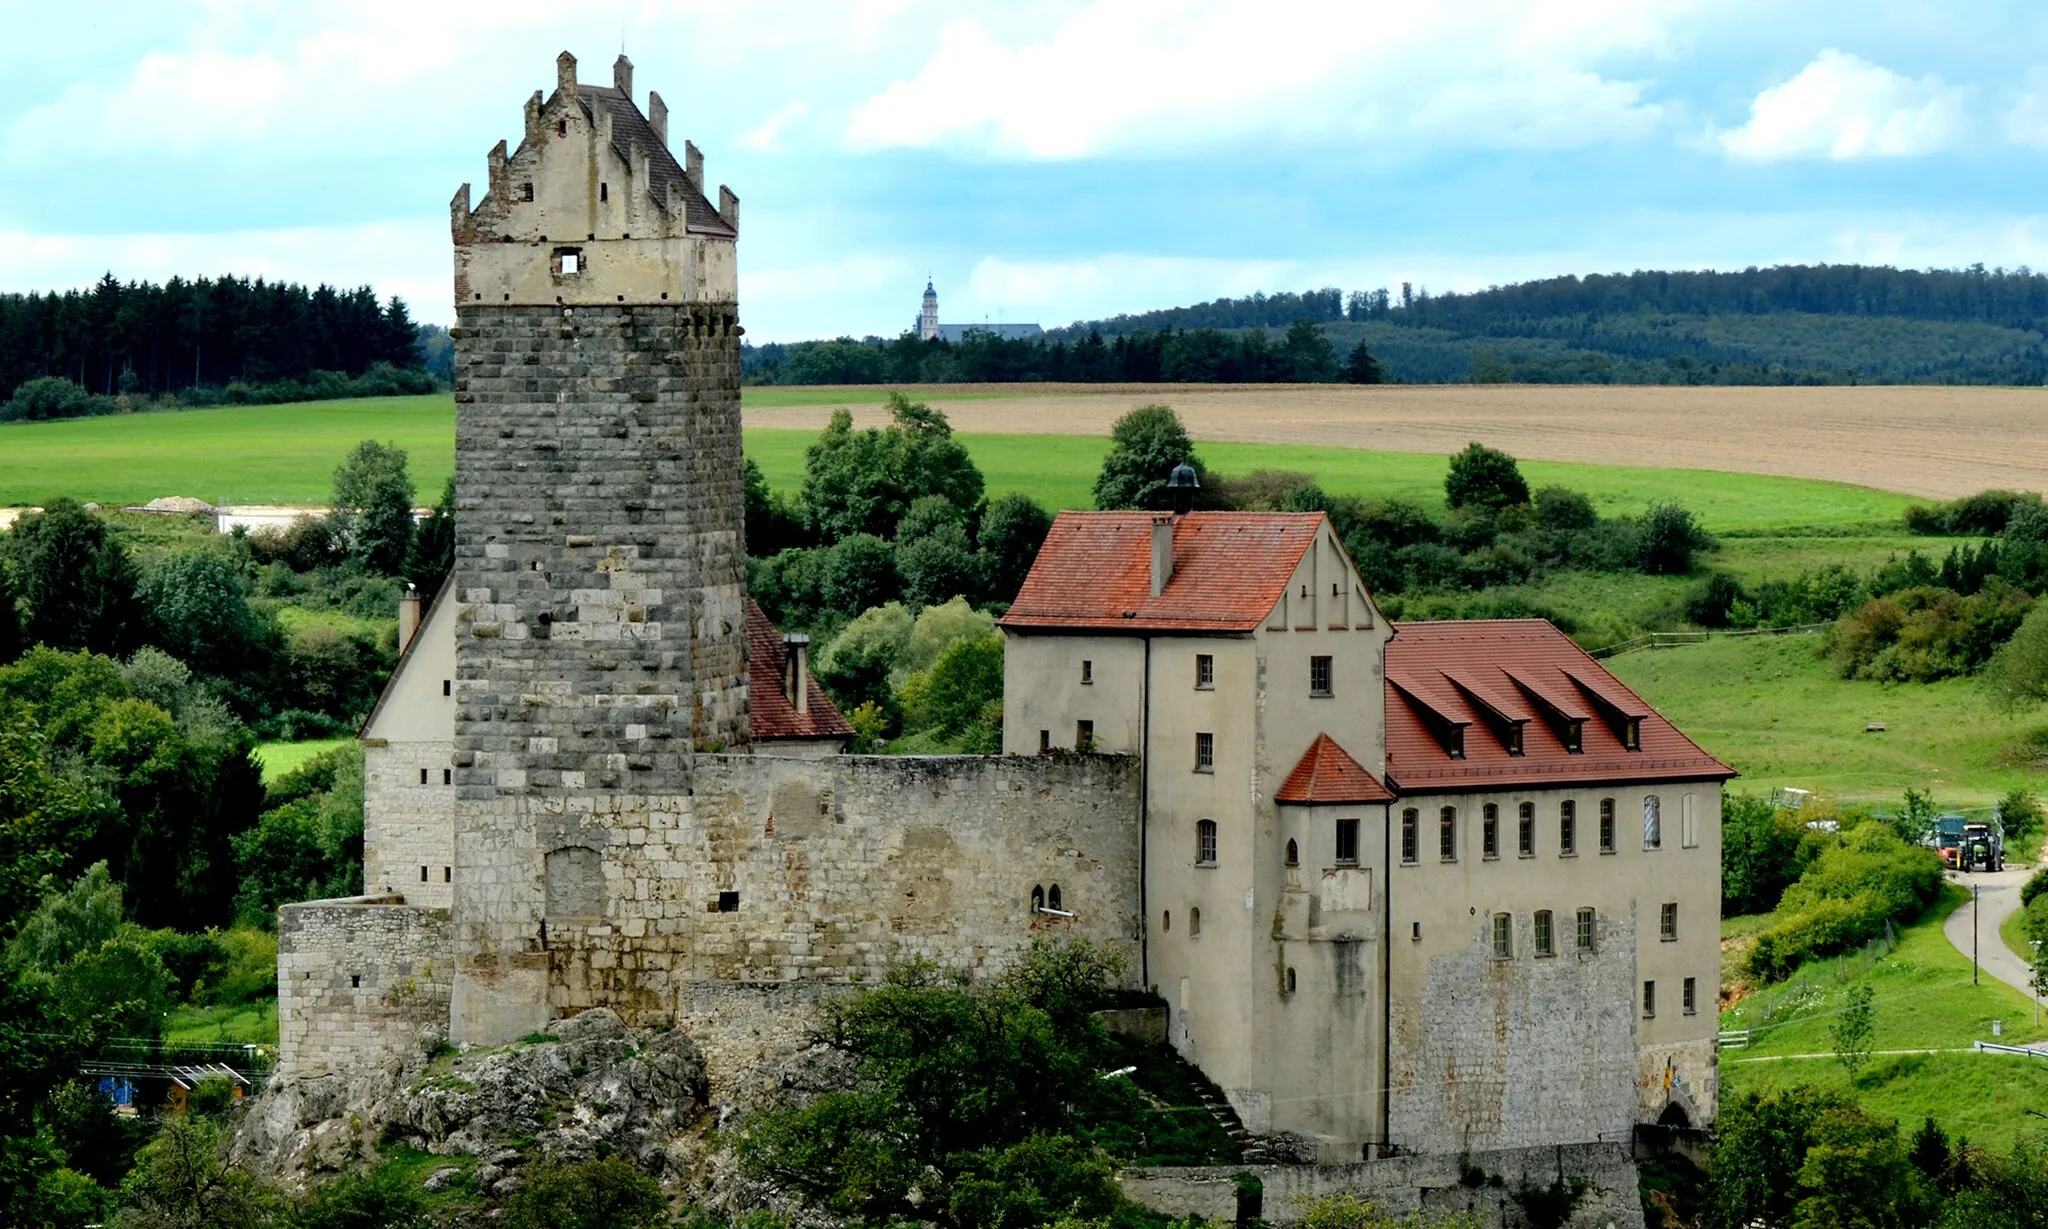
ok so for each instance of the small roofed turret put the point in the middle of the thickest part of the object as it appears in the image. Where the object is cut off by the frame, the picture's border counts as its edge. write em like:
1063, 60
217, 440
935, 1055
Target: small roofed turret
1183, 483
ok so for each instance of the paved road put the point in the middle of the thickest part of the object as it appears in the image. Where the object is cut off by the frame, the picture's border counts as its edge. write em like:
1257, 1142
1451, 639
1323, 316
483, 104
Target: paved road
1998, 895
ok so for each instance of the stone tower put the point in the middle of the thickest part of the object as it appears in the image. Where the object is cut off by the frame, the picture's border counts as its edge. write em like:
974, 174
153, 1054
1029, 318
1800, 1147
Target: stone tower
928, 318
600, 559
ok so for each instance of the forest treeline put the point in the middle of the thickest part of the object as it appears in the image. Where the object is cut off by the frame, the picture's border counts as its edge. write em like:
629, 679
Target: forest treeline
148, 340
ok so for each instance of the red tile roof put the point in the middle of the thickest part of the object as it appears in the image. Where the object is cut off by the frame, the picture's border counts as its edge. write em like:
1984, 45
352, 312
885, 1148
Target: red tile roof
1479, 680
1229, 571
1328, 774
773, 715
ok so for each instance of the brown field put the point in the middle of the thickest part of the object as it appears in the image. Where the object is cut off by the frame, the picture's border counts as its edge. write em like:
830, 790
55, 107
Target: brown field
1937, 442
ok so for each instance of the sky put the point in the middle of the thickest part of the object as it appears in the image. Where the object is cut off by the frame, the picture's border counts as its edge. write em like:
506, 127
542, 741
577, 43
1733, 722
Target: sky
1048, 161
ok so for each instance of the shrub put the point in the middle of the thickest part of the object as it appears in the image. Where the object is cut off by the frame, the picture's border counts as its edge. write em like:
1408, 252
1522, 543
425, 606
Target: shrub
1484, 477
1560, 510
1984, 514
52, 397
1669, 540
1919, 635
965, 680
603, 1194
1867, 877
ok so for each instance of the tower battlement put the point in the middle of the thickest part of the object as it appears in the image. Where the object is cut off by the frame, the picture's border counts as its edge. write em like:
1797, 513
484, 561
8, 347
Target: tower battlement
593, 207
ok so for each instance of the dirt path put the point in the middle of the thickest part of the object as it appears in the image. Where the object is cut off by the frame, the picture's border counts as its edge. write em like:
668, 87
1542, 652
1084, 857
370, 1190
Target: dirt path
1937, 442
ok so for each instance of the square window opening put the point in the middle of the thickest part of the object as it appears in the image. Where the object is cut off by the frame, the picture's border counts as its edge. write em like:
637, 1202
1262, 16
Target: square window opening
568, 262
728, 902
1347, 842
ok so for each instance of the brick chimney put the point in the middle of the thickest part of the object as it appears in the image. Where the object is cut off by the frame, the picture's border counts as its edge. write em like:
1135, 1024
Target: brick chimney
1162, 552
408, 617
796, 670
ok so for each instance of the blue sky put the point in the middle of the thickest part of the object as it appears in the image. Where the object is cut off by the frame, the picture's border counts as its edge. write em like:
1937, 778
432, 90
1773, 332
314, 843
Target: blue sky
1049, 161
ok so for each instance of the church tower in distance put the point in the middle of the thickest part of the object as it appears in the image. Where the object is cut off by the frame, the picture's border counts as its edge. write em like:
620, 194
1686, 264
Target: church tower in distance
600, 555
928, 319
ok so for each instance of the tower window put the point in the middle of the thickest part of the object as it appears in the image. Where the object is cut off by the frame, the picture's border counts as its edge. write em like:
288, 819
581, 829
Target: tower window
423, 776
1347, 842
423, 874
1408, 825
1194, 923
1319, 676
526, 191
447, 687
1649, 999
604, 192
1290, 983
1037, 899
561, 128
1044, 741
447, 874
1447, 834
1205, 842
728, 902
447, 776
1052, 898
1205, 671
568, 262
1293, 853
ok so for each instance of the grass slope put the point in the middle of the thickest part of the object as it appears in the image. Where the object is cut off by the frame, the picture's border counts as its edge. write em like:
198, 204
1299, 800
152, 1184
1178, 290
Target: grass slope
278, 759
1923, 1000
1777, 712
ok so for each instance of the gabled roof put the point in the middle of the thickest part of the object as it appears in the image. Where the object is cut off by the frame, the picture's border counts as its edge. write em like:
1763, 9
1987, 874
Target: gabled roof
630, 126
1326, 774
773, 715
1442, 676
1229, 570
427, 610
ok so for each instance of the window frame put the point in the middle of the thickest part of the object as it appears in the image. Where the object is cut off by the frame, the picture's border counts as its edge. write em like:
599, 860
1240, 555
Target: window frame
1568, 828
1447, 834
1207, 843
1087, 672
1689, 997
1084, 735
1205, 672
1326, 664
1503, 936
1205, 751
1489, 831
1544, 932
1525, 830
1346, 832
1411, 836
1653, 823
1585, 932
1650, 999
1667, 922
1608, 826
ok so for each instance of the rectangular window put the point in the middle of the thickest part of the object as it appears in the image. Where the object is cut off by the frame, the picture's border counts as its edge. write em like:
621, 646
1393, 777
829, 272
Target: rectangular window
1690, 997
1087, 671
1447, 834
728, 902
1567, 828
604, 192
447, 776
1347, 842
526, 191
423, 874
1408, 824
1489, 831
1205, 671
1084, 736
1319, 676
1525, 830
447, 687
1543, 937
1607, 825
1653, 823
1044, 741
1205, 842
1688, 823
447, 874
423, 776
568, 262
1649, 999
1503, 936
1583, 940
1205, 753
1667, 922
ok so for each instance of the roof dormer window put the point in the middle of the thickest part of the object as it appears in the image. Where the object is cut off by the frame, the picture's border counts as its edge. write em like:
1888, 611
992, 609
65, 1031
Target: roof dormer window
1632, 734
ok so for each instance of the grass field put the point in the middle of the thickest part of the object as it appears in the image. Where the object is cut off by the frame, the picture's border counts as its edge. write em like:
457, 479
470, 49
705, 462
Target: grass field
254, 1024
280, 758
1923, 1000
1770, 707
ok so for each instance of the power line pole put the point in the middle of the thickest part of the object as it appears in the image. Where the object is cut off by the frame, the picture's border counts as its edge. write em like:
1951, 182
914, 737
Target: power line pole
1973, 934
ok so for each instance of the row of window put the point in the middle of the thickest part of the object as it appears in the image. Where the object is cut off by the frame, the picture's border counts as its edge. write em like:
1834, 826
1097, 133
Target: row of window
1688, 998
447, 776
1542, 930
1525, 829
1320, 674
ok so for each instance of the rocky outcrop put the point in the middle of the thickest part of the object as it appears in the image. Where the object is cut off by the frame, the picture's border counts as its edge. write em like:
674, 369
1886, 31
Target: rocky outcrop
590, 1087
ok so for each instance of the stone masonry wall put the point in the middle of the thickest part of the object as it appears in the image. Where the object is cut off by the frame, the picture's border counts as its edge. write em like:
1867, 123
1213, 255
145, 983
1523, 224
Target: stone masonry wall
1401, 1186
409, 833
600, 567
362, 983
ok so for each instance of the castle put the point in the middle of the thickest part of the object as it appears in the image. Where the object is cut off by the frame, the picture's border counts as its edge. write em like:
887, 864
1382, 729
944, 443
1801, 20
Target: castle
1423, 888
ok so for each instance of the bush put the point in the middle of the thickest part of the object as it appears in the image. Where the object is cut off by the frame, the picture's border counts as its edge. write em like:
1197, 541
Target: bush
52, 397
383, 1199
1919, 635
1559, 510
1982, 515
1669, 540
602, 1194
1483, 477
1869, 876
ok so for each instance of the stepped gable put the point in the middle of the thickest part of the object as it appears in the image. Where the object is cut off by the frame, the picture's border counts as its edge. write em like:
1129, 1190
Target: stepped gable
1487, 703
1326, 775
773, 715
630, 129
1229, 571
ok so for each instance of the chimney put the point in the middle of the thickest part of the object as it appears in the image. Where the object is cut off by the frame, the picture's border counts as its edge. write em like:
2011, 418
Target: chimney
565, 72
1162, 553
728, 207
657, 116
622, 75
408, 617
796, 670
693, 165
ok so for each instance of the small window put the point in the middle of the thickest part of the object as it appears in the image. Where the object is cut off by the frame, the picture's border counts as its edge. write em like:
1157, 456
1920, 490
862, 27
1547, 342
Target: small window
1194, 923
1205, 842
1087, 671
1544, 946
1689, 997
1293, 853
1649, 999
423, 874
1084, 736
1632, 734
1584, 939
561, 128
355, 981
1447, 834
1607, 825
1525, 830
1037, 899
1044, 741
1347, 842
604, 192
728, 902
1205, 671
1489, 831
1503, 936
1052, 899
447, 874
1166, 920
1415, 931
447, 687
1575, 737
447, 776
1319, 676
1667, 921
1408, 825
423, 776
1205, 753
1653, 823
526, 191
1567, 828
1289, 983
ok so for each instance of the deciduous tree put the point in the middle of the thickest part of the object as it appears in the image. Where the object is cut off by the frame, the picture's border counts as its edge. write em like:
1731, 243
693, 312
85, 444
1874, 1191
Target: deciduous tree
373, 506
77, 580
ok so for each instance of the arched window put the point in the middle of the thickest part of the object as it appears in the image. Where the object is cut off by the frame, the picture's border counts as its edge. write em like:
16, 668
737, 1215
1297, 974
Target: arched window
1293, 853
1290, 980
1052, 897
1037, 899
1447, 834
1205, 842
1194, 923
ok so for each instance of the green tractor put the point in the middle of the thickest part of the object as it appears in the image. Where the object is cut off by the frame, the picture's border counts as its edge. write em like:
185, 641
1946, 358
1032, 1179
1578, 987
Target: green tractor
1982, 847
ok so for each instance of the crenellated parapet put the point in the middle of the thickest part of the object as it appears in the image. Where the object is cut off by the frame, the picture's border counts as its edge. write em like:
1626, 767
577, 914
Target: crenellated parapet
593, 207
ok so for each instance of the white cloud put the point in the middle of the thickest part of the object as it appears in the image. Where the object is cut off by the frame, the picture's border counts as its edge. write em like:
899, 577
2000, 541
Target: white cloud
765, 137
1146, 76
1842, 106
2027, 122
